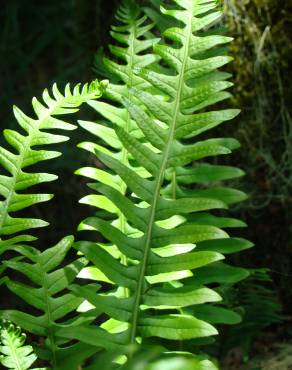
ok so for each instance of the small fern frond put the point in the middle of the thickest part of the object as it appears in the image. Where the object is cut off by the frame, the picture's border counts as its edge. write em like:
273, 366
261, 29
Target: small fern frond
134, 40
15, 180
132, 48
15, 354
47, 294
170, 233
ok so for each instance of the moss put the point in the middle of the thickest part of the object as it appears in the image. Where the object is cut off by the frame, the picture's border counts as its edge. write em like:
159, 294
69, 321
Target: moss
263, 54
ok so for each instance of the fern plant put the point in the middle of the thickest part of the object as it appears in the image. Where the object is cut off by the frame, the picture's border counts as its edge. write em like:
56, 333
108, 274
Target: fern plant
161, 203
135, 37
50, 298
134, 40
169, 232
15, 180
43, 267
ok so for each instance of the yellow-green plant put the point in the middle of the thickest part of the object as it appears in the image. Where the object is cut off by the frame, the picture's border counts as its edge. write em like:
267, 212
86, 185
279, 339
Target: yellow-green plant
43, 268
16, 180
161, 202
169, 234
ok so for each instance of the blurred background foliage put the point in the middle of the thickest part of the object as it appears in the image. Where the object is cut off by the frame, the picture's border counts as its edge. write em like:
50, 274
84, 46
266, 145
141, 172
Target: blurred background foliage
42, 42
262, 73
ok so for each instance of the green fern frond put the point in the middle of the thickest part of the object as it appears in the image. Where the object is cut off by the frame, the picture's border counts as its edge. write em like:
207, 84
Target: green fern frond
47, 294
133, 48
15, 354
133, 39
15, 180
162, 243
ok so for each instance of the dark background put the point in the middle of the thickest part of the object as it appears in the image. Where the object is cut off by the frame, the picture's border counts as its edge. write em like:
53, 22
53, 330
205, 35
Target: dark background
42, 42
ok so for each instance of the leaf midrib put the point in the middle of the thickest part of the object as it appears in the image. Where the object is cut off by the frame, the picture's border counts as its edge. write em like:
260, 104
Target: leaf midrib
157, 189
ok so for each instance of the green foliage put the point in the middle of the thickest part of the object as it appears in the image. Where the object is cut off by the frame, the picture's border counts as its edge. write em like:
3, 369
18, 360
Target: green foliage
135, 40
15, 180
169, 234
258, 299
13, 189
47, 293
160, 203
263, 50
15, 354
262, 44
153, 359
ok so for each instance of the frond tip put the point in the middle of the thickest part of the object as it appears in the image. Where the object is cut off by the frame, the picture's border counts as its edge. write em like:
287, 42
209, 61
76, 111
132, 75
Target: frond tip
15, 180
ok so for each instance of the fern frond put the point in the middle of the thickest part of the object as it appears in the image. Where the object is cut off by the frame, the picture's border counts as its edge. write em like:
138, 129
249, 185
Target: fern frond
15, 354
15, 180
134, 41
133, 48
159, 241
47, 294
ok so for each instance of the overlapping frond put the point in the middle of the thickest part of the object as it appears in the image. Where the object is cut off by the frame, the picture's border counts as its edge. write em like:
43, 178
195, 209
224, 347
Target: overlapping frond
132, 49
170, 234
27, 151
133, 42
